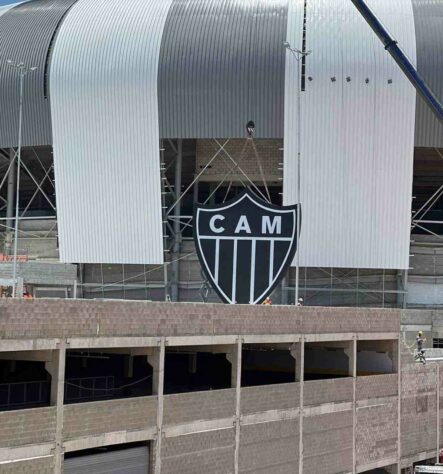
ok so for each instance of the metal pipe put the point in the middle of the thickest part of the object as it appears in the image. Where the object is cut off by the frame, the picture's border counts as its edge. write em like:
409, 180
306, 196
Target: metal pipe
11, 188
17, 195
175, 267
400, 58
297, 255
10, 201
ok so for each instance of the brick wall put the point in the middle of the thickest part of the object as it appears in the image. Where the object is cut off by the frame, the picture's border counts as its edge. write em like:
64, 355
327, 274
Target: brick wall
210, 452
269, 153
270, 397
317, 392
42, 465
418, 410
374, 386
269, 448
327, 443
64, 318
22, 427
94, 418
376, 435
188, 407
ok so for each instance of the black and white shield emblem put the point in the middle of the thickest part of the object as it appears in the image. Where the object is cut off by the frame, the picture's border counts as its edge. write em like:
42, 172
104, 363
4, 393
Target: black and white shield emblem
245, 245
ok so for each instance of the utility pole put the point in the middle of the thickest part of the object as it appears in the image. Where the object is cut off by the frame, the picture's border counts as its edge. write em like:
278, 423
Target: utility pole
22, 71
298, 55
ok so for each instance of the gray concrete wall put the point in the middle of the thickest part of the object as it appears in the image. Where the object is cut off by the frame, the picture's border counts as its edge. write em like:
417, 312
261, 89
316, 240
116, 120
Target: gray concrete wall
270, 448
328, 443
68, 318
94, 418
24, 427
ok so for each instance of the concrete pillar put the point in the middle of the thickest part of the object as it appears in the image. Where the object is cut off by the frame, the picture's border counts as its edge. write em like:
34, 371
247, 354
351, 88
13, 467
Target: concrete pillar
129, 366
437, 418
350, 349
394, 355
233, 358
195, 192
56, 367
157, 361
398, 365
238, 366
298, 353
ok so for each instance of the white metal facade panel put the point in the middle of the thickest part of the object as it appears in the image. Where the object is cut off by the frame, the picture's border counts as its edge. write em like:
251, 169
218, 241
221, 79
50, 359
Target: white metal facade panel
103, 88
357, 136
123, 461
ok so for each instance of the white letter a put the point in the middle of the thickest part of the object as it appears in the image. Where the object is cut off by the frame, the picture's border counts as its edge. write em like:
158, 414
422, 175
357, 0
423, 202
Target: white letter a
242, 224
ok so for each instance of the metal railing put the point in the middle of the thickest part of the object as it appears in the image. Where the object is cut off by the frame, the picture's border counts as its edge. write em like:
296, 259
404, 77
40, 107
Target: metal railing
17, 395
89, 388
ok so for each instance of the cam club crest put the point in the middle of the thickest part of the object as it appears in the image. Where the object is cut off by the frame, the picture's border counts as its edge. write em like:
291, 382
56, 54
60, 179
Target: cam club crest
244, 246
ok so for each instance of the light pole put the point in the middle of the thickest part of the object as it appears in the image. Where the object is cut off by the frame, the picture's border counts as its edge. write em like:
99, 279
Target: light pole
298, 55
22, 71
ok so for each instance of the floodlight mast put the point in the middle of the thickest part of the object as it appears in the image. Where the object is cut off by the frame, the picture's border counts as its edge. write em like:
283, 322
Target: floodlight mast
22, 71
400, 57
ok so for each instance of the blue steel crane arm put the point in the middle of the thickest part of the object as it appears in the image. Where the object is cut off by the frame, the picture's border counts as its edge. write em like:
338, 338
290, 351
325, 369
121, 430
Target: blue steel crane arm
400, 58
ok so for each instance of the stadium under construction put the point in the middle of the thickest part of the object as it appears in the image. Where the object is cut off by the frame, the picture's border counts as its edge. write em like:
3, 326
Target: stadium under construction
131, 134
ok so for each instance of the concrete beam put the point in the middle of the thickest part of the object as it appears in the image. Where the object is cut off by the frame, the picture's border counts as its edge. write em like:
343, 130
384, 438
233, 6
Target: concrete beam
31, 356
104, 342
109, 439
24, 452
17, 345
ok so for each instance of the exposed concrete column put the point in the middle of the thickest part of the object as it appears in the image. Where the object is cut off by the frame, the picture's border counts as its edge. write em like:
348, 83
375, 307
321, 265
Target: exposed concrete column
351, 352
394, 355
233, 358
398, 364
195, 192
57, 370
157, 361
238, 367
157, 366
437, 418
298, 353
10, 203
175, 266
350, 349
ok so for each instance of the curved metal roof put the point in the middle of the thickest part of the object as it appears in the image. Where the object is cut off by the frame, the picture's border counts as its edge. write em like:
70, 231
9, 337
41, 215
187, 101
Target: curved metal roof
221, 64
104, 107
26, 32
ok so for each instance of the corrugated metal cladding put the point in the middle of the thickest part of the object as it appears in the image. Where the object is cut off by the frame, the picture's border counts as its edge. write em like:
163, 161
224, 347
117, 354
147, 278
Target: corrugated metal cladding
357, 142
103, 85
222, 64
428, 16
5, 8
122, 461
25, 36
